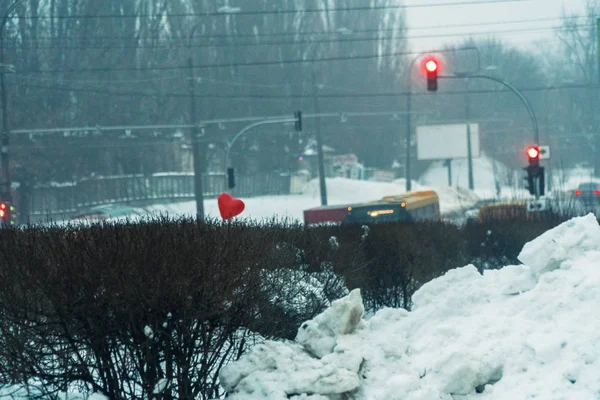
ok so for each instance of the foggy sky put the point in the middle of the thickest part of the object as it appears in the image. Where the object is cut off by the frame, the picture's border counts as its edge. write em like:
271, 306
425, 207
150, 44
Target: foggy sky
488, 13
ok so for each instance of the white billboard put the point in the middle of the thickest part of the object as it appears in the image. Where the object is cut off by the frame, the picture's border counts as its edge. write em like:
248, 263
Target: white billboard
446, 141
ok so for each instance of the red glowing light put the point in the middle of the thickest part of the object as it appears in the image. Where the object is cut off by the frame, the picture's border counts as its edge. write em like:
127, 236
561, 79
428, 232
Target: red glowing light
578, 192
1, 213
3, 206
533, 152
596, 192
431, 65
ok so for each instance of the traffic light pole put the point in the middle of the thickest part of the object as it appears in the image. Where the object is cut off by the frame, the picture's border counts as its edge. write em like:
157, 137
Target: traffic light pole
536, 132
250, 127
408, 136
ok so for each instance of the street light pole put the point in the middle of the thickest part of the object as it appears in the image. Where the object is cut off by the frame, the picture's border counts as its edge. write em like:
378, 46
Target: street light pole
5, 142
247, 128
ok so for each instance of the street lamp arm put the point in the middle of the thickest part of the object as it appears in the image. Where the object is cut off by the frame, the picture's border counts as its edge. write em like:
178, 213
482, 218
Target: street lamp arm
516, 91
251, 126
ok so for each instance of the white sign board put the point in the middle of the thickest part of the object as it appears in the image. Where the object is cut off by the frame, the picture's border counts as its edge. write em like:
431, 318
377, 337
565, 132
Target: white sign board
544, 152
446, 141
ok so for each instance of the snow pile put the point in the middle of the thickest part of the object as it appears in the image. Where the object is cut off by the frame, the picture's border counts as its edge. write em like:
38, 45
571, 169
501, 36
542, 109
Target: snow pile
454, 199
486, 173
525, 331
491, 178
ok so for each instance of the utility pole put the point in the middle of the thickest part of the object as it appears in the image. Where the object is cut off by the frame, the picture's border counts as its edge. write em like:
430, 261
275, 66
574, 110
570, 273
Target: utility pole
598, 45
597, 155
198, 149
320, 156
5, 186
469, 145
5, 194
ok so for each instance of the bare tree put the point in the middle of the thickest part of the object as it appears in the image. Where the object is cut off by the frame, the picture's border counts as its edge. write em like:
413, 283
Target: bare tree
579, 47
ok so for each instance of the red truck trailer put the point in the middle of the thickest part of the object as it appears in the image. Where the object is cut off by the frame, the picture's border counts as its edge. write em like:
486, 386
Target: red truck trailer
334, 213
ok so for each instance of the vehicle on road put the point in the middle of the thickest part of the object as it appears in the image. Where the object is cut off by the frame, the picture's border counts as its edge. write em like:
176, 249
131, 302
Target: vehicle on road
588, 192
410, 206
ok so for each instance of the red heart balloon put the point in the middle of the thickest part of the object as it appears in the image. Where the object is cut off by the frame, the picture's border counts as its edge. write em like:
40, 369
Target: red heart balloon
229, 206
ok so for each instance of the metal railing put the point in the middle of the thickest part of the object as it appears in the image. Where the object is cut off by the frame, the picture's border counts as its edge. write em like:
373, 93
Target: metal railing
58, 201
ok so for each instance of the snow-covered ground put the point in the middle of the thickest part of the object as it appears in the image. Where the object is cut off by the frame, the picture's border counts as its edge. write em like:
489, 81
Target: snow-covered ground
453, 198
492, 180
339, 191
570, 179
522, 332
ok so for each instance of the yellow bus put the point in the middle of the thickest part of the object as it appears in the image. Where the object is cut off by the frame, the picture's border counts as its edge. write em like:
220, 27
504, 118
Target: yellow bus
410, 206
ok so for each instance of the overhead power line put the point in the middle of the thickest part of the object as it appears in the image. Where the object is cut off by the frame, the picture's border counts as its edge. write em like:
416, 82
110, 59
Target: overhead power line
199, 37
168, 46
236, 12
253, 97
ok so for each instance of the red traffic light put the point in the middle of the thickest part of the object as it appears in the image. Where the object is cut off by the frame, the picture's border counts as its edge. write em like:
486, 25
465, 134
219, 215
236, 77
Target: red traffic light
431, 65
533, 152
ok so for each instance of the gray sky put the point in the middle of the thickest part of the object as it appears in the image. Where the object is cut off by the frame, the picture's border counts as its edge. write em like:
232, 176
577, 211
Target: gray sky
486, 14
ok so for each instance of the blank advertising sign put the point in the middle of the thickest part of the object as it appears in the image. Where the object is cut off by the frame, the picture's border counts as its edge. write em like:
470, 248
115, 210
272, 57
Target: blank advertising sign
446, 141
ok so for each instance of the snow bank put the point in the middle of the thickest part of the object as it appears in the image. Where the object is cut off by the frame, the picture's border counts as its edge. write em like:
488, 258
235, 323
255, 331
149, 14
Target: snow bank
525, 331
558, 246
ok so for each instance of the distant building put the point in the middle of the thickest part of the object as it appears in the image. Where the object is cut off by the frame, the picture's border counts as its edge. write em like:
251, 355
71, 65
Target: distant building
309, 160
347, 166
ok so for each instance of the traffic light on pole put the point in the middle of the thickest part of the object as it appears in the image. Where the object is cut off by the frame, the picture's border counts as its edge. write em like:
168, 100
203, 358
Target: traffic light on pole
7, 214
230, 178
298, 123
533, 154
535, 178
431, 69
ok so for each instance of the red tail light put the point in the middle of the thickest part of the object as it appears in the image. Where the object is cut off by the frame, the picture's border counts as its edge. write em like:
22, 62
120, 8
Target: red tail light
578, 192
596, 192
